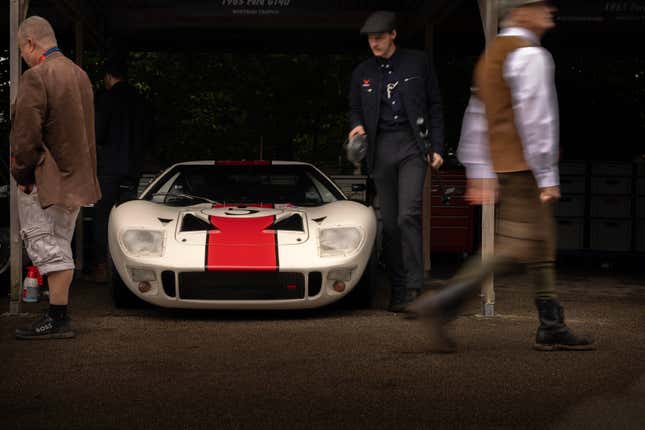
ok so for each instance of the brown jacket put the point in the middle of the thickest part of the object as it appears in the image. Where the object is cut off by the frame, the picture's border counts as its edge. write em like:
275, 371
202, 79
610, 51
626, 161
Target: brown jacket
52, 134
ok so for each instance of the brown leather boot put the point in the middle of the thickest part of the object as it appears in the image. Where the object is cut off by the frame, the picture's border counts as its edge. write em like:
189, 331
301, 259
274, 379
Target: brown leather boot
553, 334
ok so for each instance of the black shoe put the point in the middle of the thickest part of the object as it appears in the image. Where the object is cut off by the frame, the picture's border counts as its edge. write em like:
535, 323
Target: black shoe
47, 328
438, 308
398, 299
397, 308
553, 334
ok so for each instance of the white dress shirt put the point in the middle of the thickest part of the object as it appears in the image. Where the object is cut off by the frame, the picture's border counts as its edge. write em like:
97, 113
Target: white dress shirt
529, 73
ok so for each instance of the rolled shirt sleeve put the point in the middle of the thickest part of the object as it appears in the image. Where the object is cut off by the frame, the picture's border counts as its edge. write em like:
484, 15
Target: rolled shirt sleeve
473, 151
530, 74
26, 137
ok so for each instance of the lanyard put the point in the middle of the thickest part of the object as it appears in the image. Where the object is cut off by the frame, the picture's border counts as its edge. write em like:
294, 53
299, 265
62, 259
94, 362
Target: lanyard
47, 53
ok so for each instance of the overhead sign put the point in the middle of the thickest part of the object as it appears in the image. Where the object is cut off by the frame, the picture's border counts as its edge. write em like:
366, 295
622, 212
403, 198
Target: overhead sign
257, 7
279, 7
601, 10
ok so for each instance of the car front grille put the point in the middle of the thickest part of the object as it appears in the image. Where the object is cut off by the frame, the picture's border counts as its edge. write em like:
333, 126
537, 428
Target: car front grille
235, 285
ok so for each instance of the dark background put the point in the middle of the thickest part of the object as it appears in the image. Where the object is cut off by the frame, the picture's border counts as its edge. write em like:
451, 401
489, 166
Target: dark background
233, 92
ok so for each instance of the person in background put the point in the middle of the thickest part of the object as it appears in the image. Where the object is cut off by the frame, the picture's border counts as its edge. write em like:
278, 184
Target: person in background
124, 129
390, 93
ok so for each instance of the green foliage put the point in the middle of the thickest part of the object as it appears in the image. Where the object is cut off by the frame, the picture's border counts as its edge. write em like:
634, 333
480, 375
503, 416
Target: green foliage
294, 106
229, 106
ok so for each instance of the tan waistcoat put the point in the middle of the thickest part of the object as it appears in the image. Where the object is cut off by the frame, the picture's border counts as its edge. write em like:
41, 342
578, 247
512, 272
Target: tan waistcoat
506, 150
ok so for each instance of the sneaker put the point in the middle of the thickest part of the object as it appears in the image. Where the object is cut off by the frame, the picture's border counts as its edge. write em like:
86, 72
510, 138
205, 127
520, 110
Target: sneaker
47, 328
398, 299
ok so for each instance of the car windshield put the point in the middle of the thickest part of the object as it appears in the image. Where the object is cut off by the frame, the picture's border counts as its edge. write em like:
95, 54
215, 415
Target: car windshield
189, 184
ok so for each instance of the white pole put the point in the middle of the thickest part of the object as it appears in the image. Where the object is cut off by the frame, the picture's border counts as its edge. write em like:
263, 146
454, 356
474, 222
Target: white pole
16, 15
488, 10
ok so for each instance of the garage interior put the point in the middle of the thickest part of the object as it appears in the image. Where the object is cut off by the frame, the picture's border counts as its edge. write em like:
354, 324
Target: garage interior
601, 217
360, 368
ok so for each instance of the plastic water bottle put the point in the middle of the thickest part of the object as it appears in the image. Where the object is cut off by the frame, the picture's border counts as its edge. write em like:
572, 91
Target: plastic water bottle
30, 288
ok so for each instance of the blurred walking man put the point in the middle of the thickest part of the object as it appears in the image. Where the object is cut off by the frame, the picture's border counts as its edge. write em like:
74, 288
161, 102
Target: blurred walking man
54, 164
510, 132
389, 93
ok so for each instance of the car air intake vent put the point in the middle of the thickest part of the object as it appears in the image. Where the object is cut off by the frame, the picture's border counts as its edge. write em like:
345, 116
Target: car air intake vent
315, 283
168, 283
292, 223
192, 223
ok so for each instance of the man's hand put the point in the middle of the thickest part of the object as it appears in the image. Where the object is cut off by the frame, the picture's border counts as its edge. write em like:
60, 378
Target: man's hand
358, 130
549, 194
27, 189
437, 160
481, 191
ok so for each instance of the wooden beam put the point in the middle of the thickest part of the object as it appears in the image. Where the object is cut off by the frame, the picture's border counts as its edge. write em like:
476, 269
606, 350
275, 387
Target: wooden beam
79, 230
72, 10
488, 11
17, 12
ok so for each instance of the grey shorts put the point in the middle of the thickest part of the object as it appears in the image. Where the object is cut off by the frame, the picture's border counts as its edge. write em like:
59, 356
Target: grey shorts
47, 233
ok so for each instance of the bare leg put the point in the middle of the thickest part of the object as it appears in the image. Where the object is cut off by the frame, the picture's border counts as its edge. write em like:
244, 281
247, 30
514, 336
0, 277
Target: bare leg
59, 284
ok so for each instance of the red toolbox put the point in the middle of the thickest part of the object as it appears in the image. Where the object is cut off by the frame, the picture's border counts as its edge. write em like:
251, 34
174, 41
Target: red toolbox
452, 225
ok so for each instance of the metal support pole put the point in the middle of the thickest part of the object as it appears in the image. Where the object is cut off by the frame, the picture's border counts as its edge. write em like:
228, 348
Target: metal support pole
488, 11
17, 12
427, 186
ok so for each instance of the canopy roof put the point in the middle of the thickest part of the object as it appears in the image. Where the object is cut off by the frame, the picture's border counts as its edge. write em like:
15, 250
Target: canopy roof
231, 24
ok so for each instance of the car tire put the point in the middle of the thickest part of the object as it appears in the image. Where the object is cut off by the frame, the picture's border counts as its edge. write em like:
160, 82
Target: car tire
122, 297
365, 293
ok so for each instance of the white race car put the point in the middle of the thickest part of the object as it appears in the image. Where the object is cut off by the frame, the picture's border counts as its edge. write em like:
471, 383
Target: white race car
240, 235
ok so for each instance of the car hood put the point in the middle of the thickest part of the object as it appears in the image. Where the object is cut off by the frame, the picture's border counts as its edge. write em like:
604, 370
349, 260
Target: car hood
242, 224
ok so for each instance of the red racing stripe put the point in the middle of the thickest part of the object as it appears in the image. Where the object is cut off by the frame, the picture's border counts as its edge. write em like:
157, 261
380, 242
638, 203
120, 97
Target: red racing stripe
242, 243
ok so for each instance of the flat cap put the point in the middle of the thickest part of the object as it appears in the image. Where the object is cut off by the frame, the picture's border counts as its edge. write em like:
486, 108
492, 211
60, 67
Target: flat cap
379, 22
504, 6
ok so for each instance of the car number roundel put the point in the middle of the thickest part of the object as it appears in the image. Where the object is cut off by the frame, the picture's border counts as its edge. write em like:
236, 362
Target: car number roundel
241, 240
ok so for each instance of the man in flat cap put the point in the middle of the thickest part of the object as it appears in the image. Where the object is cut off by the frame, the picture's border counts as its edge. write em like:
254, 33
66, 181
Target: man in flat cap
390, 94
510, 133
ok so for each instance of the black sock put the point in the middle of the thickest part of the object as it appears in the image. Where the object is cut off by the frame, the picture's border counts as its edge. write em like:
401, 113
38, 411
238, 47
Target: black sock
57, 312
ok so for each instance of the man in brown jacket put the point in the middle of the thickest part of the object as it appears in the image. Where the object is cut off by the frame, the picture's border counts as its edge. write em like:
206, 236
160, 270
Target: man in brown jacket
54, 164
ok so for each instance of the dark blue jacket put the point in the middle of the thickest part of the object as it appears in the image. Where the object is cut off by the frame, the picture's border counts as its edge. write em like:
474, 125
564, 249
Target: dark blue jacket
421, 98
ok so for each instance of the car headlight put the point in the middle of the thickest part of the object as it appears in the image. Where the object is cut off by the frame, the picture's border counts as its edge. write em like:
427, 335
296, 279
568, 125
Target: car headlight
339, 241
143, 243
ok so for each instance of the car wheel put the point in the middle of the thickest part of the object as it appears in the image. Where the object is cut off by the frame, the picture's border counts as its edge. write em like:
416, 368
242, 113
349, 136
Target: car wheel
121, 295
365, 294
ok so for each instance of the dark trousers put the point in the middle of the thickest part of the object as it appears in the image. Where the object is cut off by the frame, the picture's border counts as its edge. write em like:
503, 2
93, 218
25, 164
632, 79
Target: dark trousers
399, 174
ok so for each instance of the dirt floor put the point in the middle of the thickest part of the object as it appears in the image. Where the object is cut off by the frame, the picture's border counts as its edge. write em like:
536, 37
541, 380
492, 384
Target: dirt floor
331, 368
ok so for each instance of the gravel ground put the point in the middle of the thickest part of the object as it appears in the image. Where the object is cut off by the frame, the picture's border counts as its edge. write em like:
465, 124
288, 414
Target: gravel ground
330, 368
